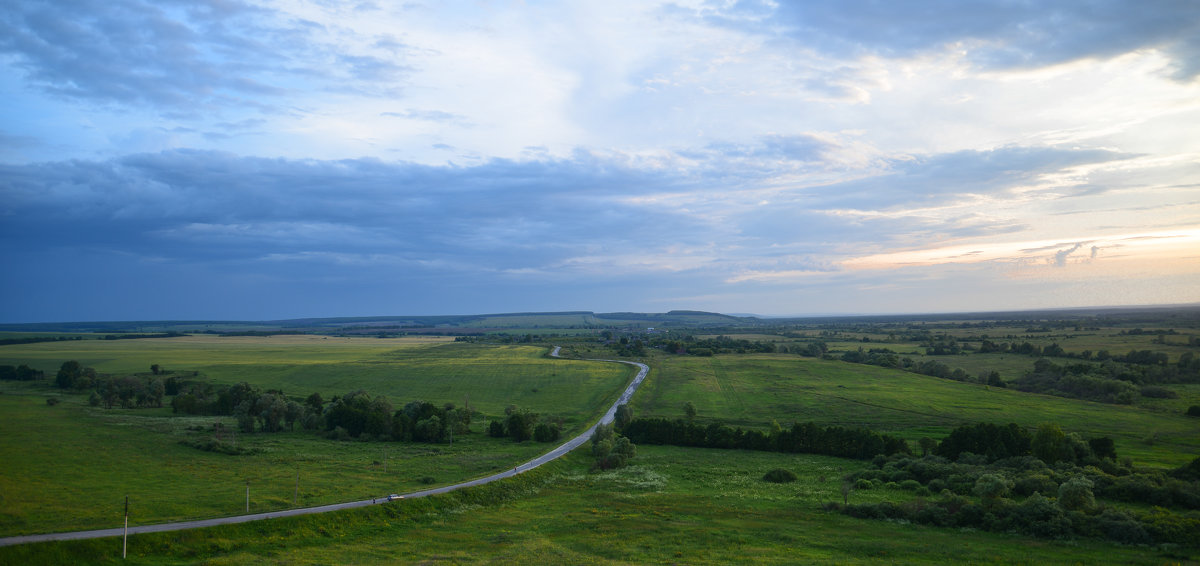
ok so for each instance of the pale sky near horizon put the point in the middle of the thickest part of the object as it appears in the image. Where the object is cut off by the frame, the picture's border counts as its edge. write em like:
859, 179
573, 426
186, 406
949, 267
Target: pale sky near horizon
264, 160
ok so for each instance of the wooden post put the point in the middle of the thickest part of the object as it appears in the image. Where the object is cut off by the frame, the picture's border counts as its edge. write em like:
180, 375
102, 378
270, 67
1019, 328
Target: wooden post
247, 496
296, 494
125, 538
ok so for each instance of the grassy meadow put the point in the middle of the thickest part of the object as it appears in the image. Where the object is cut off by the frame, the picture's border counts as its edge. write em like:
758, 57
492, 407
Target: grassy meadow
69, 466
753, 389
436, 369
673, 505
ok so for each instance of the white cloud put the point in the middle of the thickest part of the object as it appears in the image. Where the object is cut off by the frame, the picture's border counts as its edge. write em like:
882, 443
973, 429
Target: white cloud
746, 155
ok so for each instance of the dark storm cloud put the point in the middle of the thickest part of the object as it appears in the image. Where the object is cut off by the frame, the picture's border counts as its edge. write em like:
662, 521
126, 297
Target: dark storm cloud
200, 205
501, 215
999, 34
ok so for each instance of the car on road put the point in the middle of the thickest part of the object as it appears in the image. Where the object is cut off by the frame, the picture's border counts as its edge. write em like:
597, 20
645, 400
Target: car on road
394, 497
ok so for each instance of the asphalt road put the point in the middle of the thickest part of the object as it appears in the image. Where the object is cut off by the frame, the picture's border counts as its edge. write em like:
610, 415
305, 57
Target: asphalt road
566, 447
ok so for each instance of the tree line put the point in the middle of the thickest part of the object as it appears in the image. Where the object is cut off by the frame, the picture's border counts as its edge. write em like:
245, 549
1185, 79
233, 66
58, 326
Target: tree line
36, 339
20, 373
806, 438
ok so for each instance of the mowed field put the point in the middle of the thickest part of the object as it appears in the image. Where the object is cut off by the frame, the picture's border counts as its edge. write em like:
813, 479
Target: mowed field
69, 466
671, 506
753, 389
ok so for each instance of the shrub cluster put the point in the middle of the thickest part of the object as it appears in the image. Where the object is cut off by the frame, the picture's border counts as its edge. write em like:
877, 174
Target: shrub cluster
1037, 515
610, 449
521, 425
1058, 501
780, 475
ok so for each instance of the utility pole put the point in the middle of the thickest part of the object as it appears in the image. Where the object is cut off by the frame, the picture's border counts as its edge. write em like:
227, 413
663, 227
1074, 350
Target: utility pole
247, 496
125, 538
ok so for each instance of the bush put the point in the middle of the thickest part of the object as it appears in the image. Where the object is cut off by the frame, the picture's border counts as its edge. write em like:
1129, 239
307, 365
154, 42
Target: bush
496, 429
779, 475
992, 487
1076, 494
339, 433
1188, 472
863, 484
1040, 517
910, 485
1159, 392
51, 401
1193, 411
1119, 526
1030, 484
217, 446
545, 432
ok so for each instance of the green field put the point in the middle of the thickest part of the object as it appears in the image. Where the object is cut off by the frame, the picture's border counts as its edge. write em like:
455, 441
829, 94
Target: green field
674, 505
404, 369
69, 466
751, 390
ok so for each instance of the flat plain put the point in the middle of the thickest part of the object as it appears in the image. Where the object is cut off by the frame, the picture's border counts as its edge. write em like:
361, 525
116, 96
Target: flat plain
69, 466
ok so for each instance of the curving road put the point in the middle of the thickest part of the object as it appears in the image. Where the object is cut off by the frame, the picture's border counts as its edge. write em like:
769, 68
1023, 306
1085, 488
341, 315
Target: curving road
567, 446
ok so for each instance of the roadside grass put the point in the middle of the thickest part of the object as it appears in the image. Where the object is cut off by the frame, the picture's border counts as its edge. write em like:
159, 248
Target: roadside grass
69, 466
752, 390
672, 505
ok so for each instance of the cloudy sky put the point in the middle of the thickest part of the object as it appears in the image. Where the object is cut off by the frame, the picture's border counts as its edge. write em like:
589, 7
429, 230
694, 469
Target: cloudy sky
224, 159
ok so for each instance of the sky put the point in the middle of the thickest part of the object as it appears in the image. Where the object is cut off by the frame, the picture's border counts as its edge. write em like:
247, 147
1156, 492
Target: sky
237, 160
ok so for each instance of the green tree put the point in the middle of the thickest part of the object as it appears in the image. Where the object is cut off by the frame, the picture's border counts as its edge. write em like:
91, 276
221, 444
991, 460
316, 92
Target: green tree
623, 416
689, 411
68, 374
546, 432
927, 445
610, 449
155, 391
624, 448
244, 412
294, 412
1049, 443
520, 424
430, 430
496, 429
315, 402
